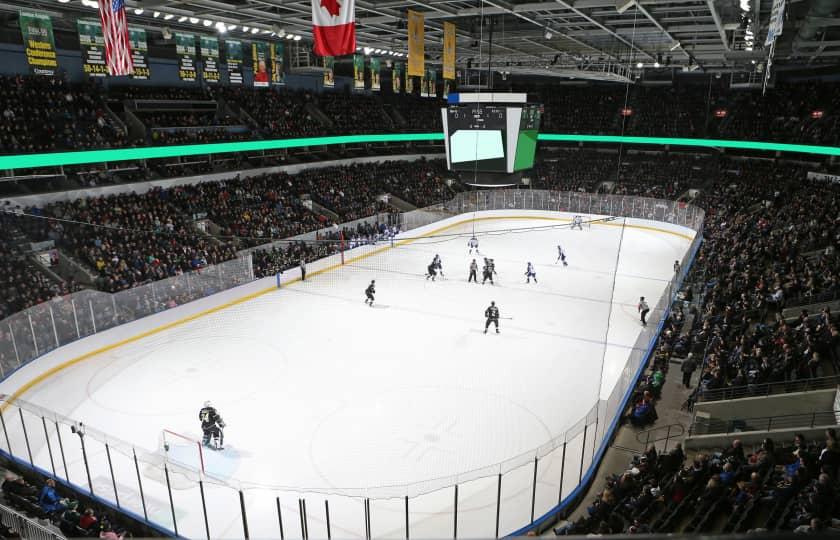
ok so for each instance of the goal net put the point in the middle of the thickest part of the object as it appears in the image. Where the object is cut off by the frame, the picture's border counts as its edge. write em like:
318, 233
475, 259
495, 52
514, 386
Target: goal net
183, 450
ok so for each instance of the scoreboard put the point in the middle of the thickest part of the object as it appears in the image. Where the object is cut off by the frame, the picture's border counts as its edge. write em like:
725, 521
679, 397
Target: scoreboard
491, 137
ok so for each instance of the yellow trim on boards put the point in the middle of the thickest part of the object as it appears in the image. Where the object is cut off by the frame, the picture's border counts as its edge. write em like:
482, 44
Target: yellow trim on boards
90, 354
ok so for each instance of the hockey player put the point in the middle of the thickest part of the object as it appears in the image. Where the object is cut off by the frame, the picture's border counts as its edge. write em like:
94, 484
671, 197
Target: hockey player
473, 245
473, 272
643, 309
369, 292
431, 271
438, 265
487, 272
531, 272
211, 426
492, 315
561, 255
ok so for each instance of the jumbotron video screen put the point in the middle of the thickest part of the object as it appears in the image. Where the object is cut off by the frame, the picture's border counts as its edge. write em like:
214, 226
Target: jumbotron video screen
487, 137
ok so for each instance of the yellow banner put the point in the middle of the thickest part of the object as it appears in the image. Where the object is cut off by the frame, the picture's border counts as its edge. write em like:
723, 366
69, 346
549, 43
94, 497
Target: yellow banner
416, 50
448, 51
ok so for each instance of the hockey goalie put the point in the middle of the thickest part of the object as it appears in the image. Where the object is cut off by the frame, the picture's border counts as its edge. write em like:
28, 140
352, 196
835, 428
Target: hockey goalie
212, 427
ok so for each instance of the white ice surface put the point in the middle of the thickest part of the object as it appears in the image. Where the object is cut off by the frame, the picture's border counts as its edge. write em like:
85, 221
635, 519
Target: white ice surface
321, 392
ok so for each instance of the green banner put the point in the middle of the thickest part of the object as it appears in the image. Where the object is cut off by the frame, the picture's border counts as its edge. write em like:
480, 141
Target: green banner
358, 72
375, 67
259, 57
210, 58
233, 59
329, 72
185, 50
139, 52
278, 63
38, 42
396, 77
92, 43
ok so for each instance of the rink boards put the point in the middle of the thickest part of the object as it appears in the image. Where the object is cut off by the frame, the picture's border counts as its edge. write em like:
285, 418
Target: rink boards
327, 308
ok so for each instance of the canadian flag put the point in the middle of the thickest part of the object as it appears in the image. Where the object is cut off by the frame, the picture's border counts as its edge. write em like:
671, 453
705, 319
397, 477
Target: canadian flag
334, 27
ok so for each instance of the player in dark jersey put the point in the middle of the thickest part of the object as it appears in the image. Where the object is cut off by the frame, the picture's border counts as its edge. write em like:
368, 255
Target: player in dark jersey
431, 271
492, 315
369, 292
487, 272
212, 427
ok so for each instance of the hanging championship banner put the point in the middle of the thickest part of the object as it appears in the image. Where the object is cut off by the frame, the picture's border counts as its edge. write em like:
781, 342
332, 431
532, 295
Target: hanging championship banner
209, 58
139, 52
358, 72
233, 58
448, 51
92, 44
416, 47
329, 73
38, 42
278, 66
375, 67
259, 57
396, 77
185, 49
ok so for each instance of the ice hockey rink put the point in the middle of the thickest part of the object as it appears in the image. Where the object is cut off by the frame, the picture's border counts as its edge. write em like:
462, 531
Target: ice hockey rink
326, 398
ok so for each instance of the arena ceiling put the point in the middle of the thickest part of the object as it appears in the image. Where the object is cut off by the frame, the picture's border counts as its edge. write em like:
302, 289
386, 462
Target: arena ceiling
612, 37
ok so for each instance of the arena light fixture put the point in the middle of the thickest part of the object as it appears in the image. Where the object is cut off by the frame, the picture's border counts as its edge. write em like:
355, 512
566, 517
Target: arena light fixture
290, 36
656, 64
246, 28
194, 20
231, 27
138, 11
182, 18
156, 14
298, 38
63, 1
255, 30
168, 17
27, 161
640, 65
220, 26
207, 22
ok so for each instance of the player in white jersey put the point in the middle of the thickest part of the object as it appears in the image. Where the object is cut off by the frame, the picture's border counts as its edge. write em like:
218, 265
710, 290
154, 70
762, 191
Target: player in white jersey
473, 245
531, 272
561, 255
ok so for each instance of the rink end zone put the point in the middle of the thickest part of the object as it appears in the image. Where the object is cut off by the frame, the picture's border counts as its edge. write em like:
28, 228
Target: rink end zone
8, 400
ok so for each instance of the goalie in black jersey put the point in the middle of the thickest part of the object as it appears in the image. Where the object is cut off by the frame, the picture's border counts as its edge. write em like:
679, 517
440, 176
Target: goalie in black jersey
212, 427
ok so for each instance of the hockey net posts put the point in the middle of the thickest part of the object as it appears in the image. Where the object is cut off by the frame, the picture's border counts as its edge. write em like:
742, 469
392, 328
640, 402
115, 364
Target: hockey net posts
183, 450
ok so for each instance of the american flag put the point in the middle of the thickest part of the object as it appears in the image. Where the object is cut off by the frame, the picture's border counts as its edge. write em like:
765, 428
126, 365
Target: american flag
115, 30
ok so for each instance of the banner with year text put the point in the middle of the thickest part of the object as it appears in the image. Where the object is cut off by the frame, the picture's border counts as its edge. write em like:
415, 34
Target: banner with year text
210, 59
185, 50
233, 59
92, 44
38, 42
139, 53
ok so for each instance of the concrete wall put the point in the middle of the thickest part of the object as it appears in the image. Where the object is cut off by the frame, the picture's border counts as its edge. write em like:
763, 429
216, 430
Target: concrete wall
761, 406
143, 187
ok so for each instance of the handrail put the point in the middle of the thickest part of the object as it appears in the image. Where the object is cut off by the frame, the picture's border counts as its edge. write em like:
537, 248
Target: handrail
25, 526
766, 389
763, 423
